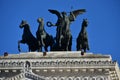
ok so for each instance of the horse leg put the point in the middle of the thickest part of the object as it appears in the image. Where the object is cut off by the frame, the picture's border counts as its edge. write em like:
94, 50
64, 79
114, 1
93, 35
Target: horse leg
67, 46
60, 38
29, 48
77, 44
51, 48
19, 45
39, 47
88, 47
20, 41
78, 47
84, 49
52, 43
68, 42
42, 41
46, 50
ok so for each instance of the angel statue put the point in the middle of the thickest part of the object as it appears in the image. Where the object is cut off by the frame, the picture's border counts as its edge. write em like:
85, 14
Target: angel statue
63, 34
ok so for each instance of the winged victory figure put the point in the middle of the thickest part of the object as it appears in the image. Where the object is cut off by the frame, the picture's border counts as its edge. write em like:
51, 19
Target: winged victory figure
63, 33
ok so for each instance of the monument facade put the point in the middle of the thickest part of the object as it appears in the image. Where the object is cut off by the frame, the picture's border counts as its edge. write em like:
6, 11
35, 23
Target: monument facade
58, 65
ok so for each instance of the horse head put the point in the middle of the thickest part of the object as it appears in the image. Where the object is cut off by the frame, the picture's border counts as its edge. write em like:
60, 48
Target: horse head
85, 23
40, 20
23, 23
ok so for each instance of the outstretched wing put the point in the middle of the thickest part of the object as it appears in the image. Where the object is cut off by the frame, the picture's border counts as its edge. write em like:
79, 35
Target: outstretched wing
55, 12
75, 13
79, 11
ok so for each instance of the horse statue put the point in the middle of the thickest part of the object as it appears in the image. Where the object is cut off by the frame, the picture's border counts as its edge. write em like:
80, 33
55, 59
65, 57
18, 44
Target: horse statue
82, 39
43, 37
63, 35
28, 38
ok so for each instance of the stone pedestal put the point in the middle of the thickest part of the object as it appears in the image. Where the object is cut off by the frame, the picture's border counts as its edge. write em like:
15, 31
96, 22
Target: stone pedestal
58, 66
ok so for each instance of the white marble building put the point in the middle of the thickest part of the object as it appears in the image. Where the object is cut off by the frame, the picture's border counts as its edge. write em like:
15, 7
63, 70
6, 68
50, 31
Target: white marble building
58, 66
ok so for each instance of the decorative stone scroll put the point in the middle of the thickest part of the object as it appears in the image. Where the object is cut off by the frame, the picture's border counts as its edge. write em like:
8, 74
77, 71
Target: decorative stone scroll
57, 63
78, 78
71, 63
34, 77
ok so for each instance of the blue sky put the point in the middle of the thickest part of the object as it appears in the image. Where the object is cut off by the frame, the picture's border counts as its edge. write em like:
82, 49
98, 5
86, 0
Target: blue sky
103, 16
